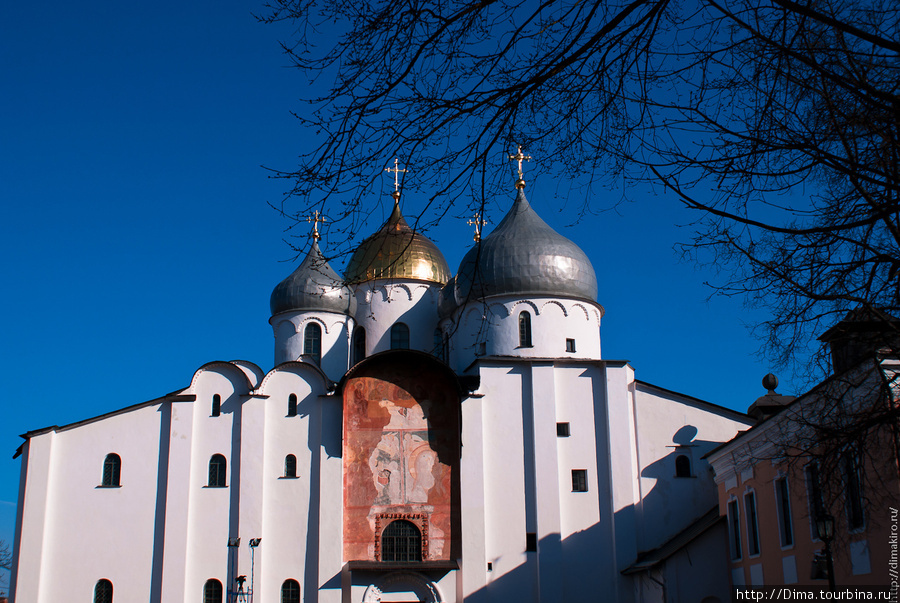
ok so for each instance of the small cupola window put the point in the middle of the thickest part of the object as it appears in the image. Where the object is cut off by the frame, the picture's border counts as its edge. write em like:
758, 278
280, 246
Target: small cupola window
524, 330
312, 342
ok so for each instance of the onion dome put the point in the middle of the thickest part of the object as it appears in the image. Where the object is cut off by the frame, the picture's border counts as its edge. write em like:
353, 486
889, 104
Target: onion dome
525, 256
313, 286
397, 251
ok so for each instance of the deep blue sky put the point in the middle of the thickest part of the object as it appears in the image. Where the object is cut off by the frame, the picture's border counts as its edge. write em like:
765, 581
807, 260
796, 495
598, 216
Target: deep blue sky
137, 242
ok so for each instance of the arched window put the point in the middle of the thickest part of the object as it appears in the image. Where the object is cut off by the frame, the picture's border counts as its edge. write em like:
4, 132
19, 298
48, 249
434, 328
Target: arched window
359, 345
103, 591
290, 466
401, 541
217, 466
112, 470
292, 405
312, 342
446, 350
216, 405
399, 337
524, 330
212, 591
290, 592
682, 466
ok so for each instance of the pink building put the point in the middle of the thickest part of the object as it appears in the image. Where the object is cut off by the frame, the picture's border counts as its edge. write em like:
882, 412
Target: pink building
832, 451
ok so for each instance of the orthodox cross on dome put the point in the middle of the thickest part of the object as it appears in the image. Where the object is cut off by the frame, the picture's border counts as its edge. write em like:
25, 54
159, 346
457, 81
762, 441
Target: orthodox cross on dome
520, 183
397, 171
315, 219
478, 222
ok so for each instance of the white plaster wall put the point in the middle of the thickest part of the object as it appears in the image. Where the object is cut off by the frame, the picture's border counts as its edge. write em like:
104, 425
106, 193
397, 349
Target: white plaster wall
496, 323
518, 480
284, 520
88, 532
289, 329
669, 503
505, 495
688, 580
383, 302
213, 513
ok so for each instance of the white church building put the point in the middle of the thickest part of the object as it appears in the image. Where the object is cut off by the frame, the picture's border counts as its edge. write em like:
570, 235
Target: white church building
424, 436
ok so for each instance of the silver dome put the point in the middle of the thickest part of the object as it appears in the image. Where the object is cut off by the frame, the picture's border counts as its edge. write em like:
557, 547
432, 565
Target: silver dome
314, 285
524, 256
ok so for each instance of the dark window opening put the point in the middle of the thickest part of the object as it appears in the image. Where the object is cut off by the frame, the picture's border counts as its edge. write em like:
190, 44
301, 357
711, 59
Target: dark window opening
783, 502
853, 491
312, 342
290, 466
290, 592
212, 591
103, 591
814, 494
359, 345
570, 345
216, 405
401, 541
579, 480
217, 466
682, 466
112, 470
524, 330
562, 430
734, 529
752, 525
292, 405
399, 337
530, 542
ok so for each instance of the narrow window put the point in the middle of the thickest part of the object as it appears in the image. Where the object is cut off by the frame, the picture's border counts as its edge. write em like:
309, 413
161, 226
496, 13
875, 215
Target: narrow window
312, 342
570, 345
524, 330
292, 405
103, 591
112, 470
401, 541
439, 345
752, 524
290, 592
530, 542
446, 350
853, 491
783, 505
290, 466
682, 466
212, 591
216, 405
562, 430
399, 337
359, 345
734, 529
814, 496
217, 467
579, 480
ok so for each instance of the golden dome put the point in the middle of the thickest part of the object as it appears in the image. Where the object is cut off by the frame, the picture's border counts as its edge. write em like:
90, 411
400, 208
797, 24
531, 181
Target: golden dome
397, 251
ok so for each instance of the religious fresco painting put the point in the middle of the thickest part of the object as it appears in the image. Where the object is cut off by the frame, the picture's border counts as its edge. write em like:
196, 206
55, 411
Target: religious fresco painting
401, 456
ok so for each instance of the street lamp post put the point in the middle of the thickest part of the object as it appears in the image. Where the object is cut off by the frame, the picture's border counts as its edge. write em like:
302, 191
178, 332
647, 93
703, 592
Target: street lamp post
825, 528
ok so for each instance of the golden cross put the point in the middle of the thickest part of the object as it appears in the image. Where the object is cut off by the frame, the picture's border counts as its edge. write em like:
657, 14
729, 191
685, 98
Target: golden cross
397, 171
520, 158
315, 219
478, 222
